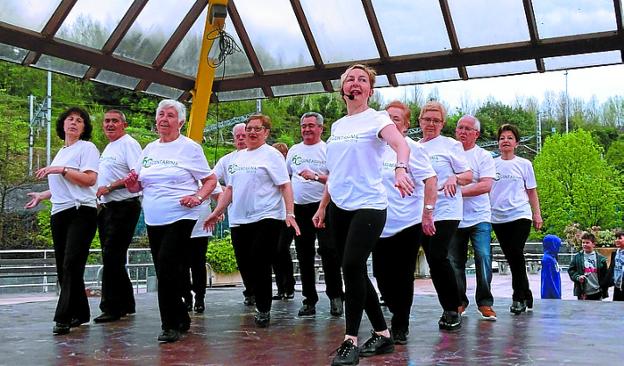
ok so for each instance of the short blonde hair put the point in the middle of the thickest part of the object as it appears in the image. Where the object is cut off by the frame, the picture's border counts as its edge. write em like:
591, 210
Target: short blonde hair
433, 106
367, 69
266, 121
407, 114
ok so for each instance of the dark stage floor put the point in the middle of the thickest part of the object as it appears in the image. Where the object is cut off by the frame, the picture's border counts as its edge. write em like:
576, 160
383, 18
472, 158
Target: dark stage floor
557, 332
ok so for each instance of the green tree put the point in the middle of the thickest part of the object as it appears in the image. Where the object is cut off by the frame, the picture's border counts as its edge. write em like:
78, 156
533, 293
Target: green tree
615, 155
576, 184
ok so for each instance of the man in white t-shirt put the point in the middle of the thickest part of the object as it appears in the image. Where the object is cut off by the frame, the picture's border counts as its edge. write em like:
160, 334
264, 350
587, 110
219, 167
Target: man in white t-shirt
476, 224
307, 166
118, 216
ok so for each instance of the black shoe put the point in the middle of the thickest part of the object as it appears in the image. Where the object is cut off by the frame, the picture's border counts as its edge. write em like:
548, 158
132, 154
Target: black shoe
262, 319
518, 307
289, 295
529, 304
106, 318
169, 336
347, 354
60, 329
450, 320
278, 296
377, 345
250, 301
199, 306
399, 336
75, 322
185, 326
335, 306
307, 310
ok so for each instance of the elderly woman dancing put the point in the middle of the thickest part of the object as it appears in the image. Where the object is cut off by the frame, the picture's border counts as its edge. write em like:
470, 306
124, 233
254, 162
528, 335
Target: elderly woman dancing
170, 174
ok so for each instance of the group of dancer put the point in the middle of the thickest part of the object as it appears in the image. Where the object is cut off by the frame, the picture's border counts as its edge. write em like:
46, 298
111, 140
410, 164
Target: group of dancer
369, 190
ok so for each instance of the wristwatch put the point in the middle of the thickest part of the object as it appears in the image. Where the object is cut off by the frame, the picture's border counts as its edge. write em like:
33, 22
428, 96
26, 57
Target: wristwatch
429, 207
109, 187
200, 198
316, 177
65, 170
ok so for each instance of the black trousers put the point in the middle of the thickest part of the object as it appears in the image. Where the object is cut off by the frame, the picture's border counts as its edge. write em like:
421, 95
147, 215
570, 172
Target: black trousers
73, 230
196, 264
168, 243
282, 262
116, 223
306, 255
618, 295
355, 234
442, 275
512, 237
394, 264
257, 244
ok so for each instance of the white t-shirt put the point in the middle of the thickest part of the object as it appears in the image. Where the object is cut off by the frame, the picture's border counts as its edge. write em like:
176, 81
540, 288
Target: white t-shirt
116, 161
311, 157
354, 161
508, 197
404, 212
255, 177
477, 208
82, 156
169, 171
222, 165
447, 158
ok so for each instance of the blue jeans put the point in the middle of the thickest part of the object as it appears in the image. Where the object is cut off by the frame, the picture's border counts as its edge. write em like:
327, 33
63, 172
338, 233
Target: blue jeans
479, 236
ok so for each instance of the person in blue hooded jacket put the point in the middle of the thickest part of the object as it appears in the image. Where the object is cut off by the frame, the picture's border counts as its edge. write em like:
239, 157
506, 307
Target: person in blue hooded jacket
551, 276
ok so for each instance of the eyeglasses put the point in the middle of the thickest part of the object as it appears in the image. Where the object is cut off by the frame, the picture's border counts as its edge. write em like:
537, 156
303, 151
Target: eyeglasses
434, 121
254, 128
464, 128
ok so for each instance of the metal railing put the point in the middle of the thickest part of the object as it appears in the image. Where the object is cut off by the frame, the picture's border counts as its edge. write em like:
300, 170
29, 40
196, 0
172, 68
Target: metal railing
32, 268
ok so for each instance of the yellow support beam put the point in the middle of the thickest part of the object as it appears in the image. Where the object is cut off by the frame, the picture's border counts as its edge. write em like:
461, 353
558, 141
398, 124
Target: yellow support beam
215, 21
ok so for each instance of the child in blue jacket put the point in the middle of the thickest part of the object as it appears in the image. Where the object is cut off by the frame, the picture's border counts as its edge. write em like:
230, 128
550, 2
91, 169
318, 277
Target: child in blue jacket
551, 277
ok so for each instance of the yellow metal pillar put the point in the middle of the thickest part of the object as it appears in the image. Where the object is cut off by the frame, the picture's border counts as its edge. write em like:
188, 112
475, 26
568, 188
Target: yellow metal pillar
215, 21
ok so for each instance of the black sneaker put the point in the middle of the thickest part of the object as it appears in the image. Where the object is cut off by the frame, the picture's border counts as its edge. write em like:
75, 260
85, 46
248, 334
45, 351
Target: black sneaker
347, 354
336, 307
307, 310
289, 295
169, 336
517, 307
61, 328
199, 306
399, 336
529, 304
262, 319
278, 296
450, 320
106, 318
377, 345
250, 301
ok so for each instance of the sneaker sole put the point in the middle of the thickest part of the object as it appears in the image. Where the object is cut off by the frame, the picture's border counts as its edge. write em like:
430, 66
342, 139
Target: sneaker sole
489, 318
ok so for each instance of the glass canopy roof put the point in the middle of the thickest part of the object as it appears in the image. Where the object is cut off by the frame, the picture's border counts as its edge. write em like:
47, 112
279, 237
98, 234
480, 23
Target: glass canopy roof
292, 47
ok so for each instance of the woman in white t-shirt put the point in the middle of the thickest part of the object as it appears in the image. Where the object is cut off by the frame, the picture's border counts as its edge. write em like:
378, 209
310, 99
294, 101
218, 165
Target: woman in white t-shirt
515, 204
394, 256
357, 212
261, 197
169, 174
72, 176
451, 166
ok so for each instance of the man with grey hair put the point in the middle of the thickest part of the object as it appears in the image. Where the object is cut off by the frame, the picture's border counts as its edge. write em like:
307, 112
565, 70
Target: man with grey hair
117, 217
221, 170
306, 162
476, 224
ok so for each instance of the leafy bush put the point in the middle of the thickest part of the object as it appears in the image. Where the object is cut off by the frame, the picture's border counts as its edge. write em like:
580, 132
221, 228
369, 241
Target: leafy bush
604, 238
220, 255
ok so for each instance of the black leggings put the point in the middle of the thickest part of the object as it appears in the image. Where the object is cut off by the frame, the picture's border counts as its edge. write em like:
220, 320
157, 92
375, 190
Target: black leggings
442, 274
196, 263
168, 243
355, 234
512, 237
73, 230
394, 264
257, 244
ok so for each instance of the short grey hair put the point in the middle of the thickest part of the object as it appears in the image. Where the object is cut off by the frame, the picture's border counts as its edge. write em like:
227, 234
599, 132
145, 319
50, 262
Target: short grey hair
319, 117
475, 120
170, 103
238, 125
118, 112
